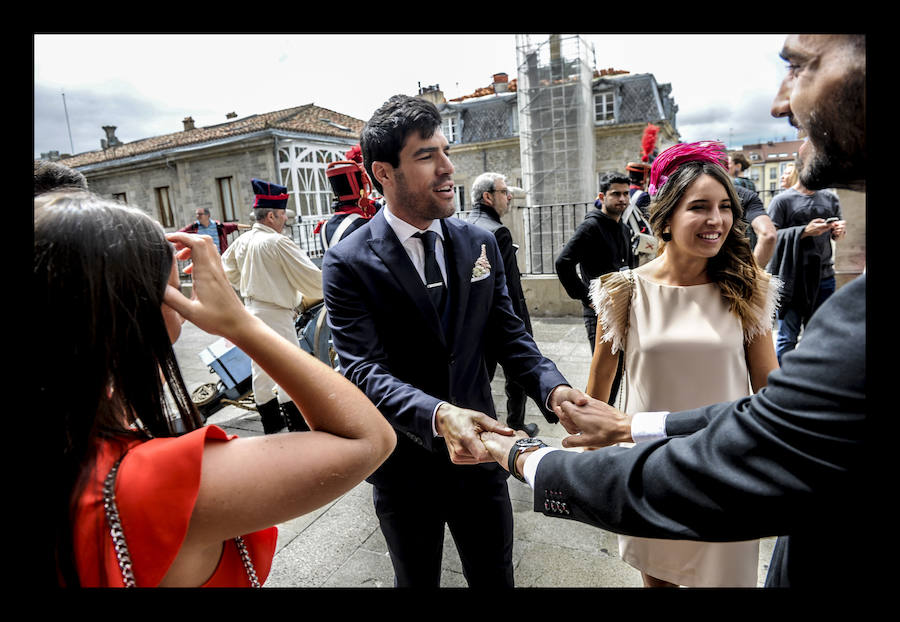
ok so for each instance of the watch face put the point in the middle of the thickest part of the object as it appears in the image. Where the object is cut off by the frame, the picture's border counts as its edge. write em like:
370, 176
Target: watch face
526, 443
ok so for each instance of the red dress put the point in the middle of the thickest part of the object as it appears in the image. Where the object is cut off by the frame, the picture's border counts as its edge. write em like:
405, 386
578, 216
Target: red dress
156, 488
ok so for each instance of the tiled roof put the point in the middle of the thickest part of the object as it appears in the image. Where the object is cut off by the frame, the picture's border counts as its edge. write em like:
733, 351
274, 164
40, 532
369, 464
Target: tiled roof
486, 90
304, 119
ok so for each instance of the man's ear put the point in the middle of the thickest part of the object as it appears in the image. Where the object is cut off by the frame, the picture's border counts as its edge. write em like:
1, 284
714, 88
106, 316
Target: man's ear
383, 172
487, 198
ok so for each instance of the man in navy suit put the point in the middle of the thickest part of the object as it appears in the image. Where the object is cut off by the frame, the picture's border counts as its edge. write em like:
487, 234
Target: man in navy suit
414, 301
793, 460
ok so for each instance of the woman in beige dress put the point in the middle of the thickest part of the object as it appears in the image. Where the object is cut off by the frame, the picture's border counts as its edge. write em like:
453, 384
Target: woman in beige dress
695, 328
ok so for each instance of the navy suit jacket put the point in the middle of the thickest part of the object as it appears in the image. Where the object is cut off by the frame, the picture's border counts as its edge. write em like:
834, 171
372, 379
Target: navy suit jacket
791, 461
392, 346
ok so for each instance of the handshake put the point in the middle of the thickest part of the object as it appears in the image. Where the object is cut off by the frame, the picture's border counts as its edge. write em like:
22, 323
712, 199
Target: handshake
473, 437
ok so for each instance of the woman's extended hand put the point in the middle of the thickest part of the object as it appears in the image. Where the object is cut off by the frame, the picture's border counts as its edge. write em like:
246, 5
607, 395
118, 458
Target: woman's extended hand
214, 306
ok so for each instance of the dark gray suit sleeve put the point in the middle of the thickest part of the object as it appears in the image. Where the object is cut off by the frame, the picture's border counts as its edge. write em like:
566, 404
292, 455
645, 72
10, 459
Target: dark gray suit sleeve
770, 464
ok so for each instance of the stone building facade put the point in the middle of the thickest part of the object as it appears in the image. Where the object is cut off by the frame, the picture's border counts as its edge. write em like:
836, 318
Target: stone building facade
170, 176
482, 127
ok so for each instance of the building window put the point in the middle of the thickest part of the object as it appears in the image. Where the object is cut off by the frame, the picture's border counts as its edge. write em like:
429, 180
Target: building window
166, 218
119, 196
302, 169
460, 198
449, 128
604, 107
773, 173
226, 199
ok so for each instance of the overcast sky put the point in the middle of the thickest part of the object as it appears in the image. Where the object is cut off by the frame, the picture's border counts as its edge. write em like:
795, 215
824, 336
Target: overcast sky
146, 84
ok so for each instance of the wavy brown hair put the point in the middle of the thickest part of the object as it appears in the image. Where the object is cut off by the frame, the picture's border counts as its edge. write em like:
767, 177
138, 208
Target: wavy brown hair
733, 268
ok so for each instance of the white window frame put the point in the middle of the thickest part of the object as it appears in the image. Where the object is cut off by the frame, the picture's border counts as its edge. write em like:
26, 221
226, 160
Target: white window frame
164, 204
459, 197
450, 128
605, 101
226, 198
301, 167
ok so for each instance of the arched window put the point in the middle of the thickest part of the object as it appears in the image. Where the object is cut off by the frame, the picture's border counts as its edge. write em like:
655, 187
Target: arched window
302, 170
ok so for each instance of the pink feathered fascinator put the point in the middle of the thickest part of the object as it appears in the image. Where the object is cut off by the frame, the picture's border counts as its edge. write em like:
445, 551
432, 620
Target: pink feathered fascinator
672, 158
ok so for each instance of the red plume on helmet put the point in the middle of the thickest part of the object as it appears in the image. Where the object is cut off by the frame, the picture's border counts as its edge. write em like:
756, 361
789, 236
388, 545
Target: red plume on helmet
648, 142
355, 154
351, 186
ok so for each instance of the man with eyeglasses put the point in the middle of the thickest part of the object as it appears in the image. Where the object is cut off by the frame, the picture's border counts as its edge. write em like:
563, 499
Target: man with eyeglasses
218, 231
491, 201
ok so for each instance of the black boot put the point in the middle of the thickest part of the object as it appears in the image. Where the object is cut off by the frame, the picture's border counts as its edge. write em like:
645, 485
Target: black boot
271, 416
295, 421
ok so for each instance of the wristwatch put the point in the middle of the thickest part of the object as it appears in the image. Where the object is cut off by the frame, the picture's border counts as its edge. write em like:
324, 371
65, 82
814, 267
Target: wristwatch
520, 447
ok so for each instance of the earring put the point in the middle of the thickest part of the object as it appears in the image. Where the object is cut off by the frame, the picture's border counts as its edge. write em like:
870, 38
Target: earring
666, 235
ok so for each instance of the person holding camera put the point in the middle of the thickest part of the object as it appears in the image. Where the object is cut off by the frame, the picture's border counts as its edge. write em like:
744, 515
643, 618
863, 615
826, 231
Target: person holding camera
806, 222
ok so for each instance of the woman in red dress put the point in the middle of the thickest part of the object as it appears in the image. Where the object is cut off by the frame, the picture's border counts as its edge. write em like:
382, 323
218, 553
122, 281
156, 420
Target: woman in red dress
193, 505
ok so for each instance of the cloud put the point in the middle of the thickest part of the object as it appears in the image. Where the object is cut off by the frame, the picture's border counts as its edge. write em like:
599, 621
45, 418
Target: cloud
89, 110
747, 121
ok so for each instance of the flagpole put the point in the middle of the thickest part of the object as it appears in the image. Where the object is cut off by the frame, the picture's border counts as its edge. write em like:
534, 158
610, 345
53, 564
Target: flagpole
71, 145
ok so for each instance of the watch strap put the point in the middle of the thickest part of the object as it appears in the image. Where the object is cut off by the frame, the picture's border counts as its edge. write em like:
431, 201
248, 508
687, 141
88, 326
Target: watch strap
517, 449
511, 462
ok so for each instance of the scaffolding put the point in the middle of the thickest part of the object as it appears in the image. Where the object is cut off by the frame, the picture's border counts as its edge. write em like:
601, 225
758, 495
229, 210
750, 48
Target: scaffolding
556, 135
556, 132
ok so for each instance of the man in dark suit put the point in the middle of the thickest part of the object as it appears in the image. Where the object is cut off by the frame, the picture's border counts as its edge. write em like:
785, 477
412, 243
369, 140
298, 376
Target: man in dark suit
414, 301
491, 199
791, 460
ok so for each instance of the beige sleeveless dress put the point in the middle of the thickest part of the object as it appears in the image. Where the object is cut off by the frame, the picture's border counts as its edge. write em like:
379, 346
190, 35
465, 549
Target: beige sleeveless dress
683, 349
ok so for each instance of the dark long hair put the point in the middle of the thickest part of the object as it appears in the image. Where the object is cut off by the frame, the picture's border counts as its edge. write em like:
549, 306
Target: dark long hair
100, 271
733, 268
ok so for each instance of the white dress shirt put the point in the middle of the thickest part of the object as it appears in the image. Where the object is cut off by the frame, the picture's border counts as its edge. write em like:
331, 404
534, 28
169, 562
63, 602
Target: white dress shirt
645, 426
414, 246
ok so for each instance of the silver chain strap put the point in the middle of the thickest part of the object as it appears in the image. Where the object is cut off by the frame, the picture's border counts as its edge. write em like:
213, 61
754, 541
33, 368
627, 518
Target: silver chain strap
121, 547
248, 563
115, 527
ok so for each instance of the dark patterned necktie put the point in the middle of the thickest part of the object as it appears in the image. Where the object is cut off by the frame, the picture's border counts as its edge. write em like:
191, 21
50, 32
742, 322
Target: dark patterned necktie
434, 282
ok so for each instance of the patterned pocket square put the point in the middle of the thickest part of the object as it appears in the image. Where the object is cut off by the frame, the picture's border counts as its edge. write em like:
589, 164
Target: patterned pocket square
482, 268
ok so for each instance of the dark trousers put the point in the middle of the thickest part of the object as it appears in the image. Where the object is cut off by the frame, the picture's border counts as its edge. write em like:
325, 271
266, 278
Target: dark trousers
516, 398
515, 404
477, 511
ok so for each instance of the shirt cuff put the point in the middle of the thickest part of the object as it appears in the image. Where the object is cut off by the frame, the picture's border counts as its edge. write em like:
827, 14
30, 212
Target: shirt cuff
529, 469
433, 417
648, 426
549, 395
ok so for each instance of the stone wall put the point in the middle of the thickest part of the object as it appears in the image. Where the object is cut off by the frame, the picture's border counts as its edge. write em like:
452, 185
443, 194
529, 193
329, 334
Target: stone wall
850, 252
191, 180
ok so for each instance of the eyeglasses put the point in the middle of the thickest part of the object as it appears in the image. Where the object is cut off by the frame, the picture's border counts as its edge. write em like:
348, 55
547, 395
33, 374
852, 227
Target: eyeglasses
505, 191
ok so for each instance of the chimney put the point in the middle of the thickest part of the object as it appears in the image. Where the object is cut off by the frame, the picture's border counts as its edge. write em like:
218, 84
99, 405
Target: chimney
231, 115
110, 140
432, 93
501, 82
188, 123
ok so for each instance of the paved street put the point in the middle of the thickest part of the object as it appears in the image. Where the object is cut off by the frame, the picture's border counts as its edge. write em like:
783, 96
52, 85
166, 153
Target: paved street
340, 545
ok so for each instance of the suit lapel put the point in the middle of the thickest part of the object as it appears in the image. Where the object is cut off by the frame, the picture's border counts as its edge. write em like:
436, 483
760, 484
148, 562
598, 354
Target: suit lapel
459, 274
386, 246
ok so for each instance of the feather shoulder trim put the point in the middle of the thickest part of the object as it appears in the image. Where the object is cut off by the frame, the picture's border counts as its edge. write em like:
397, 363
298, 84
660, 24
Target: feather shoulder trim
611, 297
763, 305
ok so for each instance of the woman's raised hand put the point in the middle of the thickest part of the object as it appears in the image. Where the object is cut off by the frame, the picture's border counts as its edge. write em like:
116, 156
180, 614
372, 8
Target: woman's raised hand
214, 306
